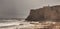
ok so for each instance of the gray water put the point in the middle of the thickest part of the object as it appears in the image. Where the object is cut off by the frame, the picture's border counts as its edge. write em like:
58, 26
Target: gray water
13, 24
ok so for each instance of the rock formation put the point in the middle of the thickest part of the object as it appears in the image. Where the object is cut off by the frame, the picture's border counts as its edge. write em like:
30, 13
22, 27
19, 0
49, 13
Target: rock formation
47, 13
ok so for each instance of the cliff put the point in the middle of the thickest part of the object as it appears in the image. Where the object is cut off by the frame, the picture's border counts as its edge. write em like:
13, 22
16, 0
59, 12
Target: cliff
47, 13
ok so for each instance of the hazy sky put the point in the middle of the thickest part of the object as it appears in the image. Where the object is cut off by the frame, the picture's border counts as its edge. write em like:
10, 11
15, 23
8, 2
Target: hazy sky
21, 8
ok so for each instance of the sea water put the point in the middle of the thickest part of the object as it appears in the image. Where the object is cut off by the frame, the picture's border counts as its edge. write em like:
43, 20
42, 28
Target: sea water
14, 24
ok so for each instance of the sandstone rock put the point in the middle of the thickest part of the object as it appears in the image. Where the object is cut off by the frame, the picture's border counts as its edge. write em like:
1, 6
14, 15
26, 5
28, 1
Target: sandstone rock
47, 13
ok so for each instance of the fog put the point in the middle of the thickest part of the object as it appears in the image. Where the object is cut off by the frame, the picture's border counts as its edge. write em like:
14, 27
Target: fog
21, 8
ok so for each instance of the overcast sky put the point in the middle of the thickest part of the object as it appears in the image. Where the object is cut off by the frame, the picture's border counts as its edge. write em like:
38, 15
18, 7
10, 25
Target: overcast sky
21, 8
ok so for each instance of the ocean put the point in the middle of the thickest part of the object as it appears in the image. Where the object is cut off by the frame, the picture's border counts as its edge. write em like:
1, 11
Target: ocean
14, 24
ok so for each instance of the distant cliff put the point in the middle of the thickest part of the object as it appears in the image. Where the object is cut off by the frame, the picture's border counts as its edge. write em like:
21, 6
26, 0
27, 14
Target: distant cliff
47, 13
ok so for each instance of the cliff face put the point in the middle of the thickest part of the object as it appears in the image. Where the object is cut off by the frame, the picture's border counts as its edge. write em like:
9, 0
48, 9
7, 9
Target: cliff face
46, 13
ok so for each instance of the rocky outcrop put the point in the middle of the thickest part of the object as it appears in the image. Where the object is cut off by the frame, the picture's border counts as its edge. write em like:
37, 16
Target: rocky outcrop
47, 13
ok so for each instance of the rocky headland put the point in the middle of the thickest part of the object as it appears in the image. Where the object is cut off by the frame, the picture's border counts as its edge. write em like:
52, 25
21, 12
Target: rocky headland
47, 13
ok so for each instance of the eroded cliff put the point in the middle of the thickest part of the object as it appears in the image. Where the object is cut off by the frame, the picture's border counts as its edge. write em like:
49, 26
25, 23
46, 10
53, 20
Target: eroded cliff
47, 13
